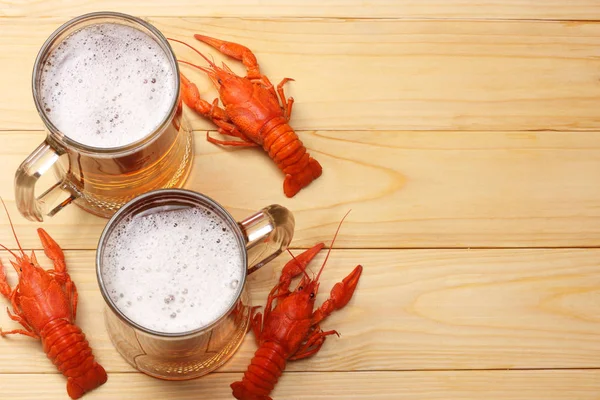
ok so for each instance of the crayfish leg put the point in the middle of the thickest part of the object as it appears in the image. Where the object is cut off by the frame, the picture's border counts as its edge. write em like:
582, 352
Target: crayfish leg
71, 289
313, 344
287, 104
5, 289
226, 128
229, 142
256, 324
19, 332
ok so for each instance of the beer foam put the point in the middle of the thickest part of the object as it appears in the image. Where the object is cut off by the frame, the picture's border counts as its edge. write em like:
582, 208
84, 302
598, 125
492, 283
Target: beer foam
173, 271
107, 85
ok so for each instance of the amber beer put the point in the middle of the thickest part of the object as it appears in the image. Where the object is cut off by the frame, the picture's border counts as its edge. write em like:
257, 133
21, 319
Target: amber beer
107, 87
107, 183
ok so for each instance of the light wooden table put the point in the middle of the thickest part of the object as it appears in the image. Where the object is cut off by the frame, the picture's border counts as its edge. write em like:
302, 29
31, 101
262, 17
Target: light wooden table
465, 138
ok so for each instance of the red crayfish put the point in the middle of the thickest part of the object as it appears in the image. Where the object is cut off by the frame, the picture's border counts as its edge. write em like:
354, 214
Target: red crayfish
45, 303
291, 330
252, 113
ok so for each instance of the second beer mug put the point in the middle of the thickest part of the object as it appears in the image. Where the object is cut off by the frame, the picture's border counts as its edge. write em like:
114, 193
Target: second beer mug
106, 86
172, 265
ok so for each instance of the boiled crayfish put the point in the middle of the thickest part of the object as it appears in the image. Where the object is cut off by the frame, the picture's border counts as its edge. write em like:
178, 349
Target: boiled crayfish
291, 330
252, 113
45, 303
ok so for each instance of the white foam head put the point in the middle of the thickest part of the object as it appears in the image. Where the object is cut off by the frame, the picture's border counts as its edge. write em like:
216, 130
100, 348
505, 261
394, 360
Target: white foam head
107, 85
173, 271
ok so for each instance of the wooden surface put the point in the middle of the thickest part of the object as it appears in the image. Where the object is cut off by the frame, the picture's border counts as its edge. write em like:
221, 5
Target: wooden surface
464, 136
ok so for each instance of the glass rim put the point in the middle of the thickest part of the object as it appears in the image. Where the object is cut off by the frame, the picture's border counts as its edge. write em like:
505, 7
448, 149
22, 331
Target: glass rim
43, 53
170, 194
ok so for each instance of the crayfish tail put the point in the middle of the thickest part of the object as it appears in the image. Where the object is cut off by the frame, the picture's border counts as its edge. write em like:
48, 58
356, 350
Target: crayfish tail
94, 377
262, 374
240, 391
293, 183
66, 346
290, 155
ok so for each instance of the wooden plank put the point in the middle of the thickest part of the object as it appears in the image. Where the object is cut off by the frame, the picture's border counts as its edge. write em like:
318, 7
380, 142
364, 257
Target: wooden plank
405, 189
412, 310
407, 75
489, 9
438, 385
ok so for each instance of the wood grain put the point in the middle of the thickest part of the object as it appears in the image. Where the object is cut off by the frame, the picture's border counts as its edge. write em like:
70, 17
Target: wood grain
379, 74
440, 385
489, 9
445, 126
405, 189
412, 310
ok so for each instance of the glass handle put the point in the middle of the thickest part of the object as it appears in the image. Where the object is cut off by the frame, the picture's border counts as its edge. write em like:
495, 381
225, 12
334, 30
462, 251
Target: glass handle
48, 203
267, 234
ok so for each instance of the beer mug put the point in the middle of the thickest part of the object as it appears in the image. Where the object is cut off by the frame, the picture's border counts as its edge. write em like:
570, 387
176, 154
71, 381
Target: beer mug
172, 265
106, 86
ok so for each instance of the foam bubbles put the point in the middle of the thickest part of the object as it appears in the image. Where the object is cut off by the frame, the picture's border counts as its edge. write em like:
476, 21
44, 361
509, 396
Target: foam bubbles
107, 85
154, 289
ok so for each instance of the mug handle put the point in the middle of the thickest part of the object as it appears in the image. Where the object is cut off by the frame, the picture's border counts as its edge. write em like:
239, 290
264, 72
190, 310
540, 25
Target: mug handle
34, 166
267, 234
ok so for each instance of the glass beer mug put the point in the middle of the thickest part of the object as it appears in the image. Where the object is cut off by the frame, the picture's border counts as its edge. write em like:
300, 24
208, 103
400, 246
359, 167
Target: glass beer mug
100, 179
175, 353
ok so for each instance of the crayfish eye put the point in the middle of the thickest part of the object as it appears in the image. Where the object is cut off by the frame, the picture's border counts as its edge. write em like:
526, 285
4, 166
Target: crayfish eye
220, 81
312, 295
300, 288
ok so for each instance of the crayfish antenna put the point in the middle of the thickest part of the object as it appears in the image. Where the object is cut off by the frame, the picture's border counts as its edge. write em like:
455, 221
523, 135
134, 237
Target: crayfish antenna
211, 74
331, 246
13, 231
7, 249
204, 69
212, 64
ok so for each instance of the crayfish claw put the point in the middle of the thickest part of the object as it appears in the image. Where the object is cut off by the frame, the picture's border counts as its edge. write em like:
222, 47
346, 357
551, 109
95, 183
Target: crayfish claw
235, 50
298, 263
342, 292
296, 266
51, 248
340, 295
